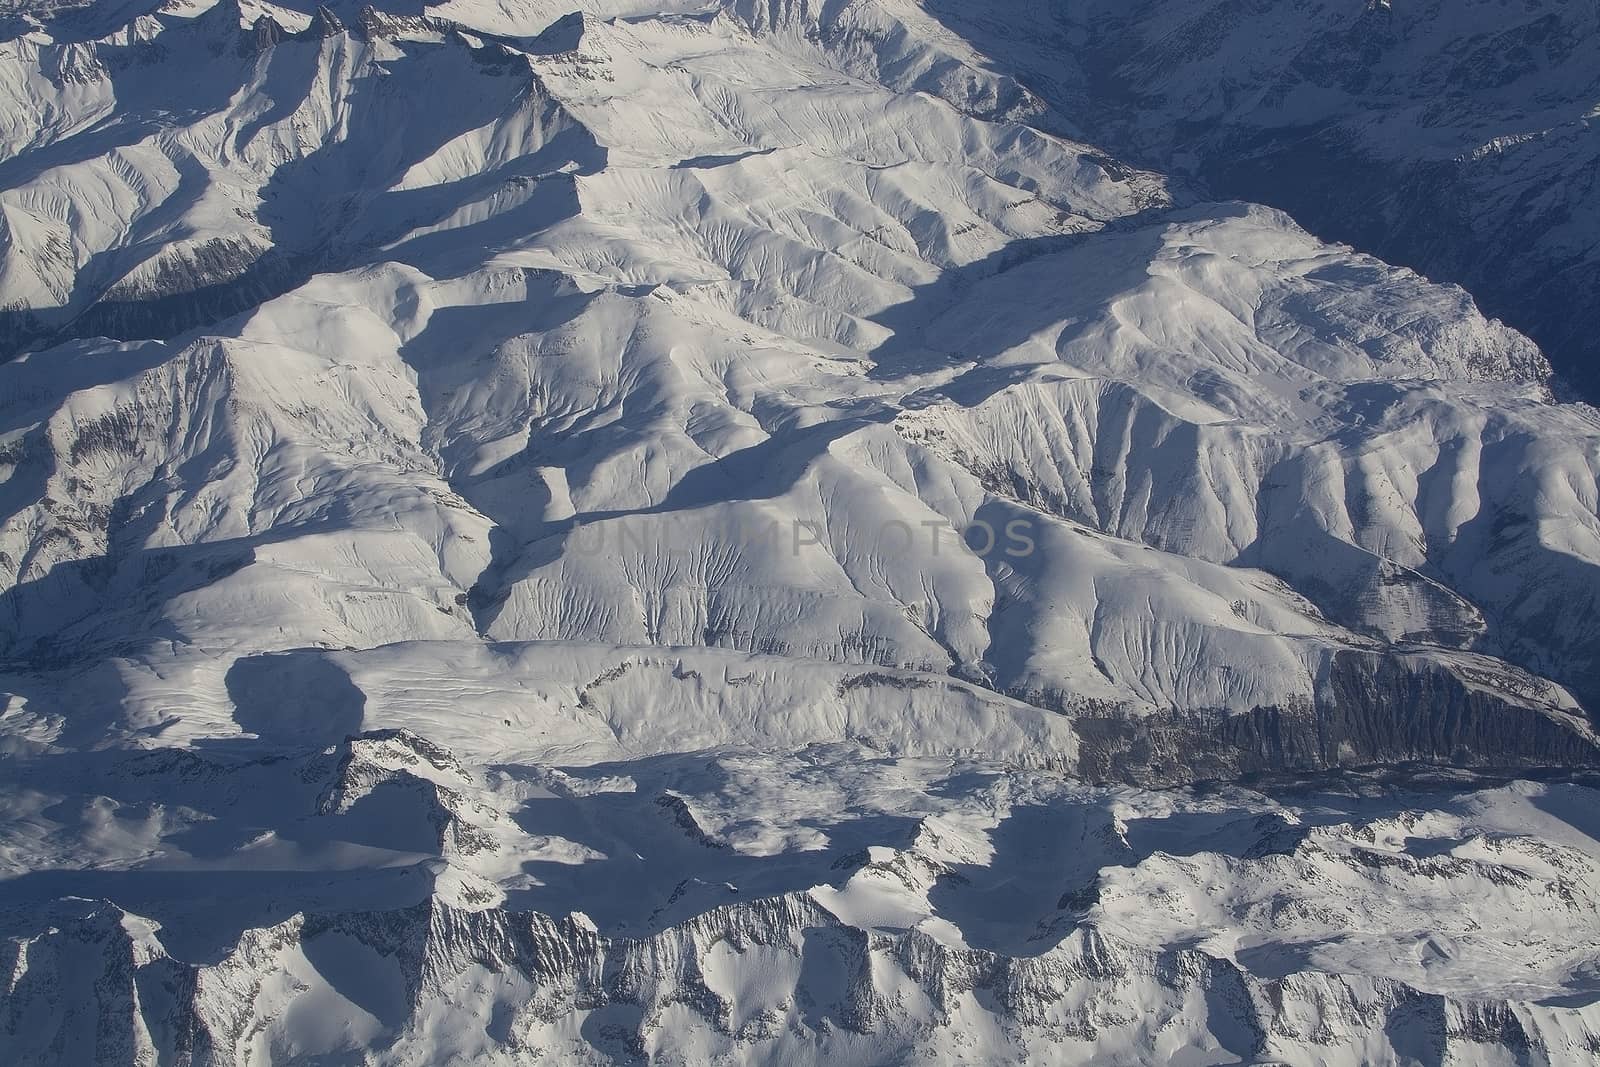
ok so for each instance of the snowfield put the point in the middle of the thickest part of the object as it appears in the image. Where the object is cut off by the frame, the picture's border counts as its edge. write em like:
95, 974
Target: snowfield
536, 532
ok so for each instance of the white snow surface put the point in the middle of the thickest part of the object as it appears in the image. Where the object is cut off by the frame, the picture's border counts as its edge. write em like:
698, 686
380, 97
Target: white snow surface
494, 568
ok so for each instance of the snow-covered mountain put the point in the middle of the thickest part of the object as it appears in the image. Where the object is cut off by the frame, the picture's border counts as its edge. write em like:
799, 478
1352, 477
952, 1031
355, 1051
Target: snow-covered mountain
1457, 137
721, 533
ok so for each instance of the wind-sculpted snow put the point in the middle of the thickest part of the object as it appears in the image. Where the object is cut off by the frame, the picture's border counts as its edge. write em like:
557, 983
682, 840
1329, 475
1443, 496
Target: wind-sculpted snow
733, 473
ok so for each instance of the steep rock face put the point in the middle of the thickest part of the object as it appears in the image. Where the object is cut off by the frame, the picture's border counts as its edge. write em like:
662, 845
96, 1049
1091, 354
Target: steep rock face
1369, 709
748, 980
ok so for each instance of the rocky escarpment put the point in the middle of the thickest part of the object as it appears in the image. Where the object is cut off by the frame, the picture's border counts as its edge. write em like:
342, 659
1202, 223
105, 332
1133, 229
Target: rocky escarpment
746, 906
541, 987
1369, 709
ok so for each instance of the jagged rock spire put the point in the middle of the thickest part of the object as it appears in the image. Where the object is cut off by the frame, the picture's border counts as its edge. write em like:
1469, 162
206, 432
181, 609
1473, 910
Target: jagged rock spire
325, 23
265, 33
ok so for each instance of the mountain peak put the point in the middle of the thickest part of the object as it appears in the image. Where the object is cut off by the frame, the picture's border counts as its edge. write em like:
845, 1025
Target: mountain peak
325, 23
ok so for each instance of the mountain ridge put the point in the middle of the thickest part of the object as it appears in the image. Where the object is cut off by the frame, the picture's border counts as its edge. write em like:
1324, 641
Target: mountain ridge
547, 470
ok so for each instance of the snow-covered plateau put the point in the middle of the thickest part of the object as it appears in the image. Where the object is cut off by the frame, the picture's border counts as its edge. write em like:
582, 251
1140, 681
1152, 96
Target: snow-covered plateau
717, 532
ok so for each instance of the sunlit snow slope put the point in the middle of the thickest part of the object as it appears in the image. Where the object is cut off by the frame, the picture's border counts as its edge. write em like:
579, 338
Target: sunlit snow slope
726, 471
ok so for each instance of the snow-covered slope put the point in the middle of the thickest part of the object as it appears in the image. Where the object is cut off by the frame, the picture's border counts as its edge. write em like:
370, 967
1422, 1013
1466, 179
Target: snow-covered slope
1455, 136
454, 451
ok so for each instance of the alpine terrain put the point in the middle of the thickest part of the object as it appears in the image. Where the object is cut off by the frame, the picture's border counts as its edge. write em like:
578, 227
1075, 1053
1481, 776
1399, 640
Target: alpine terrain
774, 531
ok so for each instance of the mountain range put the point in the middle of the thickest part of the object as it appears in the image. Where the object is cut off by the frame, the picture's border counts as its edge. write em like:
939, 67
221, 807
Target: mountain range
771, 531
